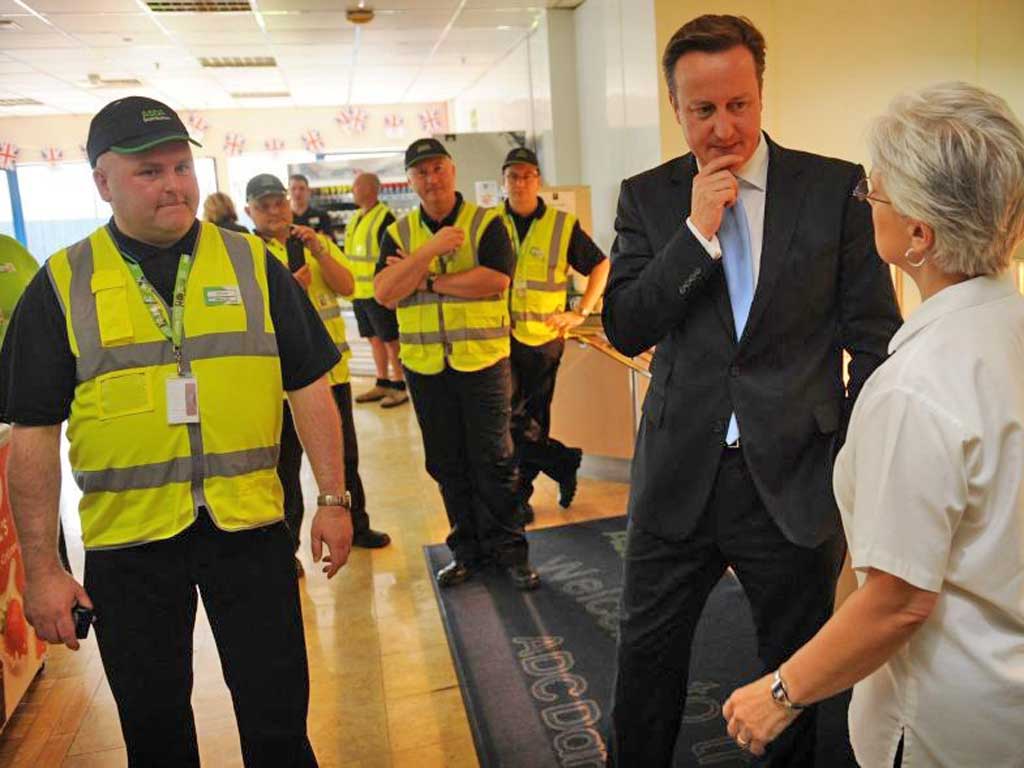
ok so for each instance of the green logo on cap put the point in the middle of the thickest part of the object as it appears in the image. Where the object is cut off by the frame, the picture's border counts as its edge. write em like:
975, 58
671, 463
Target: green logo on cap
150, 115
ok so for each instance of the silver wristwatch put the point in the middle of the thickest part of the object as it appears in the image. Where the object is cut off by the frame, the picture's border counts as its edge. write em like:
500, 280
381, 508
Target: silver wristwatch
781, 695
333, 500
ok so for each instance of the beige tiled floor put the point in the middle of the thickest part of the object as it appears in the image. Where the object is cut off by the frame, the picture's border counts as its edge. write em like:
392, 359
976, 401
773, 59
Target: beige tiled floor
383, 689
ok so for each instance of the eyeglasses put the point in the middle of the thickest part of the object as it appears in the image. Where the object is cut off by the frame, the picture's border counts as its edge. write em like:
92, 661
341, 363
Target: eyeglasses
515, 178
863, 193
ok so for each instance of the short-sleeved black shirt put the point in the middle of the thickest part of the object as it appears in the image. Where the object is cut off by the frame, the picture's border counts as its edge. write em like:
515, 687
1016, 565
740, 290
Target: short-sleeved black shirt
315, 219
496, 250
37, 368
583, 254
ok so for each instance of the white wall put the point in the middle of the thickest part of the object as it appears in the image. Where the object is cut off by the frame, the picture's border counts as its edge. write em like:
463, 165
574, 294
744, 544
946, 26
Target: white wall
616, 68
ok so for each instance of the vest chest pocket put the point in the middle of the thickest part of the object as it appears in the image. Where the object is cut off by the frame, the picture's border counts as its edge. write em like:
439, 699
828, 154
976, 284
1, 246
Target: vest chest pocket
112, 315
123, 393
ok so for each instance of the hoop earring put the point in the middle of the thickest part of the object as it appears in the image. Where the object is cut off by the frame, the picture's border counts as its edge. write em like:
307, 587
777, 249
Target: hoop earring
920, 262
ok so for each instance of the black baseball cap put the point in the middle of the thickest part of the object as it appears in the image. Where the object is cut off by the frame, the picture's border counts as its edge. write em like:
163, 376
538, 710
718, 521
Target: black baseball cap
133, 124
264, 184
421, 149
520, 155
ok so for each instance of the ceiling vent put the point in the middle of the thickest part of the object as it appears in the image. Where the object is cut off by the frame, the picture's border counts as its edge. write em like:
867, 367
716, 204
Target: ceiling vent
198, 6
359, 15
237, 62
98, 81
20, 103
260, 95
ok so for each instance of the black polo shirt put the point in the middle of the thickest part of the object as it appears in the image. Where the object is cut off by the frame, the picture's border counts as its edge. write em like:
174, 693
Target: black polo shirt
583, 254
37, 369
315, 219
496, 251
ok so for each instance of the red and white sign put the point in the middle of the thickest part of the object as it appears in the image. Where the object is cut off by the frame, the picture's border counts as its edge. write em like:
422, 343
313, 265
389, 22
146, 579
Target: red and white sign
313, 141
352, 119
8, 155
274, 145
234, 144
394, 126
21, 652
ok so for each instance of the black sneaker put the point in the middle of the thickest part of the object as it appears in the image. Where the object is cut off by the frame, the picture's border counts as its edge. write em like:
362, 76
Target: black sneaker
524, 512
567, 485
370, 539
523, 576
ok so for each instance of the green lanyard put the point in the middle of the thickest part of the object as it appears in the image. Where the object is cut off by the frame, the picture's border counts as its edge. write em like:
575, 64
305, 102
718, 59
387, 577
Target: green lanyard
174, 330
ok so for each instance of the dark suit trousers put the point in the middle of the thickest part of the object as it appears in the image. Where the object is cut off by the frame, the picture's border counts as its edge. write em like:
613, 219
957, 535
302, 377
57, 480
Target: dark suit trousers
289, 466
666, 584
146, 599
464, 419
533, 386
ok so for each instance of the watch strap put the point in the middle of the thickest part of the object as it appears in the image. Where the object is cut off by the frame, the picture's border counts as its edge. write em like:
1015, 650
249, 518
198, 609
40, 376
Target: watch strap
334, 500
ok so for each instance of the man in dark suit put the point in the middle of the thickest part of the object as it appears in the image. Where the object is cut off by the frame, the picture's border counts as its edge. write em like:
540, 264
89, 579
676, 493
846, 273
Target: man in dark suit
752, 269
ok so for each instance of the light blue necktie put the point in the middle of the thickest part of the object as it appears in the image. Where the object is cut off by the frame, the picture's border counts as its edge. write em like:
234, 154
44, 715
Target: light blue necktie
738, 263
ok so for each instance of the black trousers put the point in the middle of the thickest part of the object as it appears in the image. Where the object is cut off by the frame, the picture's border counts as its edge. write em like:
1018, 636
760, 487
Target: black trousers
464, 419
145, 598
791, 590
534, 370
289, 466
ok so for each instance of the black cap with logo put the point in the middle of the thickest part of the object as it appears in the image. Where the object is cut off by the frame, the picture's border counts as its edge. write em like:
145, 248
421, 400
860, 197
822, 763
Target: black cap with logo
264, 184
421, 149
520, 155
133, 124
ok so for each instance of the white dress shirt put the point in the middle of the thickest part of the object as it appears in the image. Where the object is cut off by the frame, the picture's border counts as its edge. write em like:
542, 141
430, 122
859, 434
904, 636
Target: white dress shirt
930, 489
753, 182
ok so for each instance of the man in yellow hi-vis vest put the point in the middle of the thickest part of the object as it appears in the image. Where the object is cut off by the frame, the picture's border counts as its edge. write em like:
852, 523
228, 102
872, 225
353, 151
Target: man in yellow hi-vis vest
168, 344
317, 264
547, 243
447, 266
377, 324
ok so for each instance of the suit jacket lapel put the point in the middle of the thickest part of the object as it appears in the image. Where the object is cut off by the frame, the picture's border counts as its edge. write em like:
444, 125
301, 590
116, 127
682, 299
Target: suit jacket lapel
783, 200
682, 181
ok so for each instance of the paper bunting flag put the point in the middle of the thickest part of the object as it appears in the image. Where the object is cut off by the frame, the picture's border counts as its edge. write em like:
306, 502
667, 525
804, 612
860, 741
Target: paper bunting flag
8, 155
312, 141
52, 155
394, 126
234, 144
197, 125
274, 145
431, 120
352, 119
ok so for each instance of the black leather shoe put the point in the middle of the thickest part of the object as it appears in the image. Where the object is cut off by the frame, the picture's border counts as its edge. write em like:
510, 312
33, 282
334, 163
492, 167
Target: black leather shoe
370, 539
567, 486
452, 574
523, 576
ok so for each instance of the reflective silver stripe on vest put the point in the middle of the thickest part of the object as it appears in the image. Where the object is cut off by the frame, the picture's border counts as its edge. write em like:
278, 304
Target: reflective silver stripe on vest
544, 285
449, 336
474, 230
330, 312
371, 227
342, 346
179, 470
364, 278
532, 317
556, 238
404, 231
426, 297
94, 359
56, 290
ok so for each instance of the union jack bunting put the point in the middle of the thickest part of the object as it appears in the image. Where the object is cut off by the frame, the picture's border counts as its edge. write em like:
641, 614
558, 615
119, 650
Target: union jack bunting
52, 155
197, 125
352, 119
431, 120
394, 126
274, 145
312, 141
8, 155
234, 144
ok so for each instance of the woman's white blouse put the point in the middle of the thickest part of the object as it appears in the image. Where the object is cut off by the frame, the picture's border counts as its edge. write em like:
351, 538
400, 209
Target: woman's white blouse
930, 488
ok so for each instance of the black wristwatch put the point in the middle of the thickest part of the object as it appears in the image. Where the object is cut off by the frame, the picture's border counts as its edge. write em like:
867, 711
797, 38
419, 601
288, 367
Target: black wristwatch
430, 284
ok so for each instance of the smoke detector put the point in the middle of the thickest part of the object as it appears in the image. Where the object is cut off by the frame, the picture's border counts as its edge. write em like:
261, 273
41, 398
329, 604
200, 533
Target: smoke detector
359, 15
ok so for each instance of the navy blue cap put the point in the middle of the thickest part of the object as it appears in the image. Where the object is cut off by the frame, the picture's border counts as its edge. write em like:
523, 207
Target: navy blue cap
520, 155
422, 149
133, 124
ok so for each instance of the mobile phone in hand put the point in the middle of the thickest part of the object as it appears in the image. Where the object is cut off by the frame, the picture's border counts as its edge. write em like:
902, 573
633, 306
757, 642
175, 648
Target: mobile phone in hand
83, 618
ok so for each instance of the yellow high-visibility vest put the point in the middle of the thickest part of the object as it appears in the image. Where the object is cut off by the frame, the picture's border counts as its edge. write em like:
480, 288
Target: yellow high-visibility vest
542, 274
325, 301
143, 479
362, 247
435, 330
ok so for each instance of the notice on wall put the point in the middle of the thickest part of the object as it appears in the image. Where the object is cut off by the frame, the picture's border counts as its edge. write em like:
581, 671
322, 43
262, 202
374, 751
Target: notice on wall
488, 193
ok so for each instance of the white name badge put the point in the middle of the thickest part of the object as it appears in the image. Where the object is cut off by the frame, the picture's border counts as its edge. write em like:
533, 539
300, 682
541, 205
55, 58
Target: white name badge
182, 400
